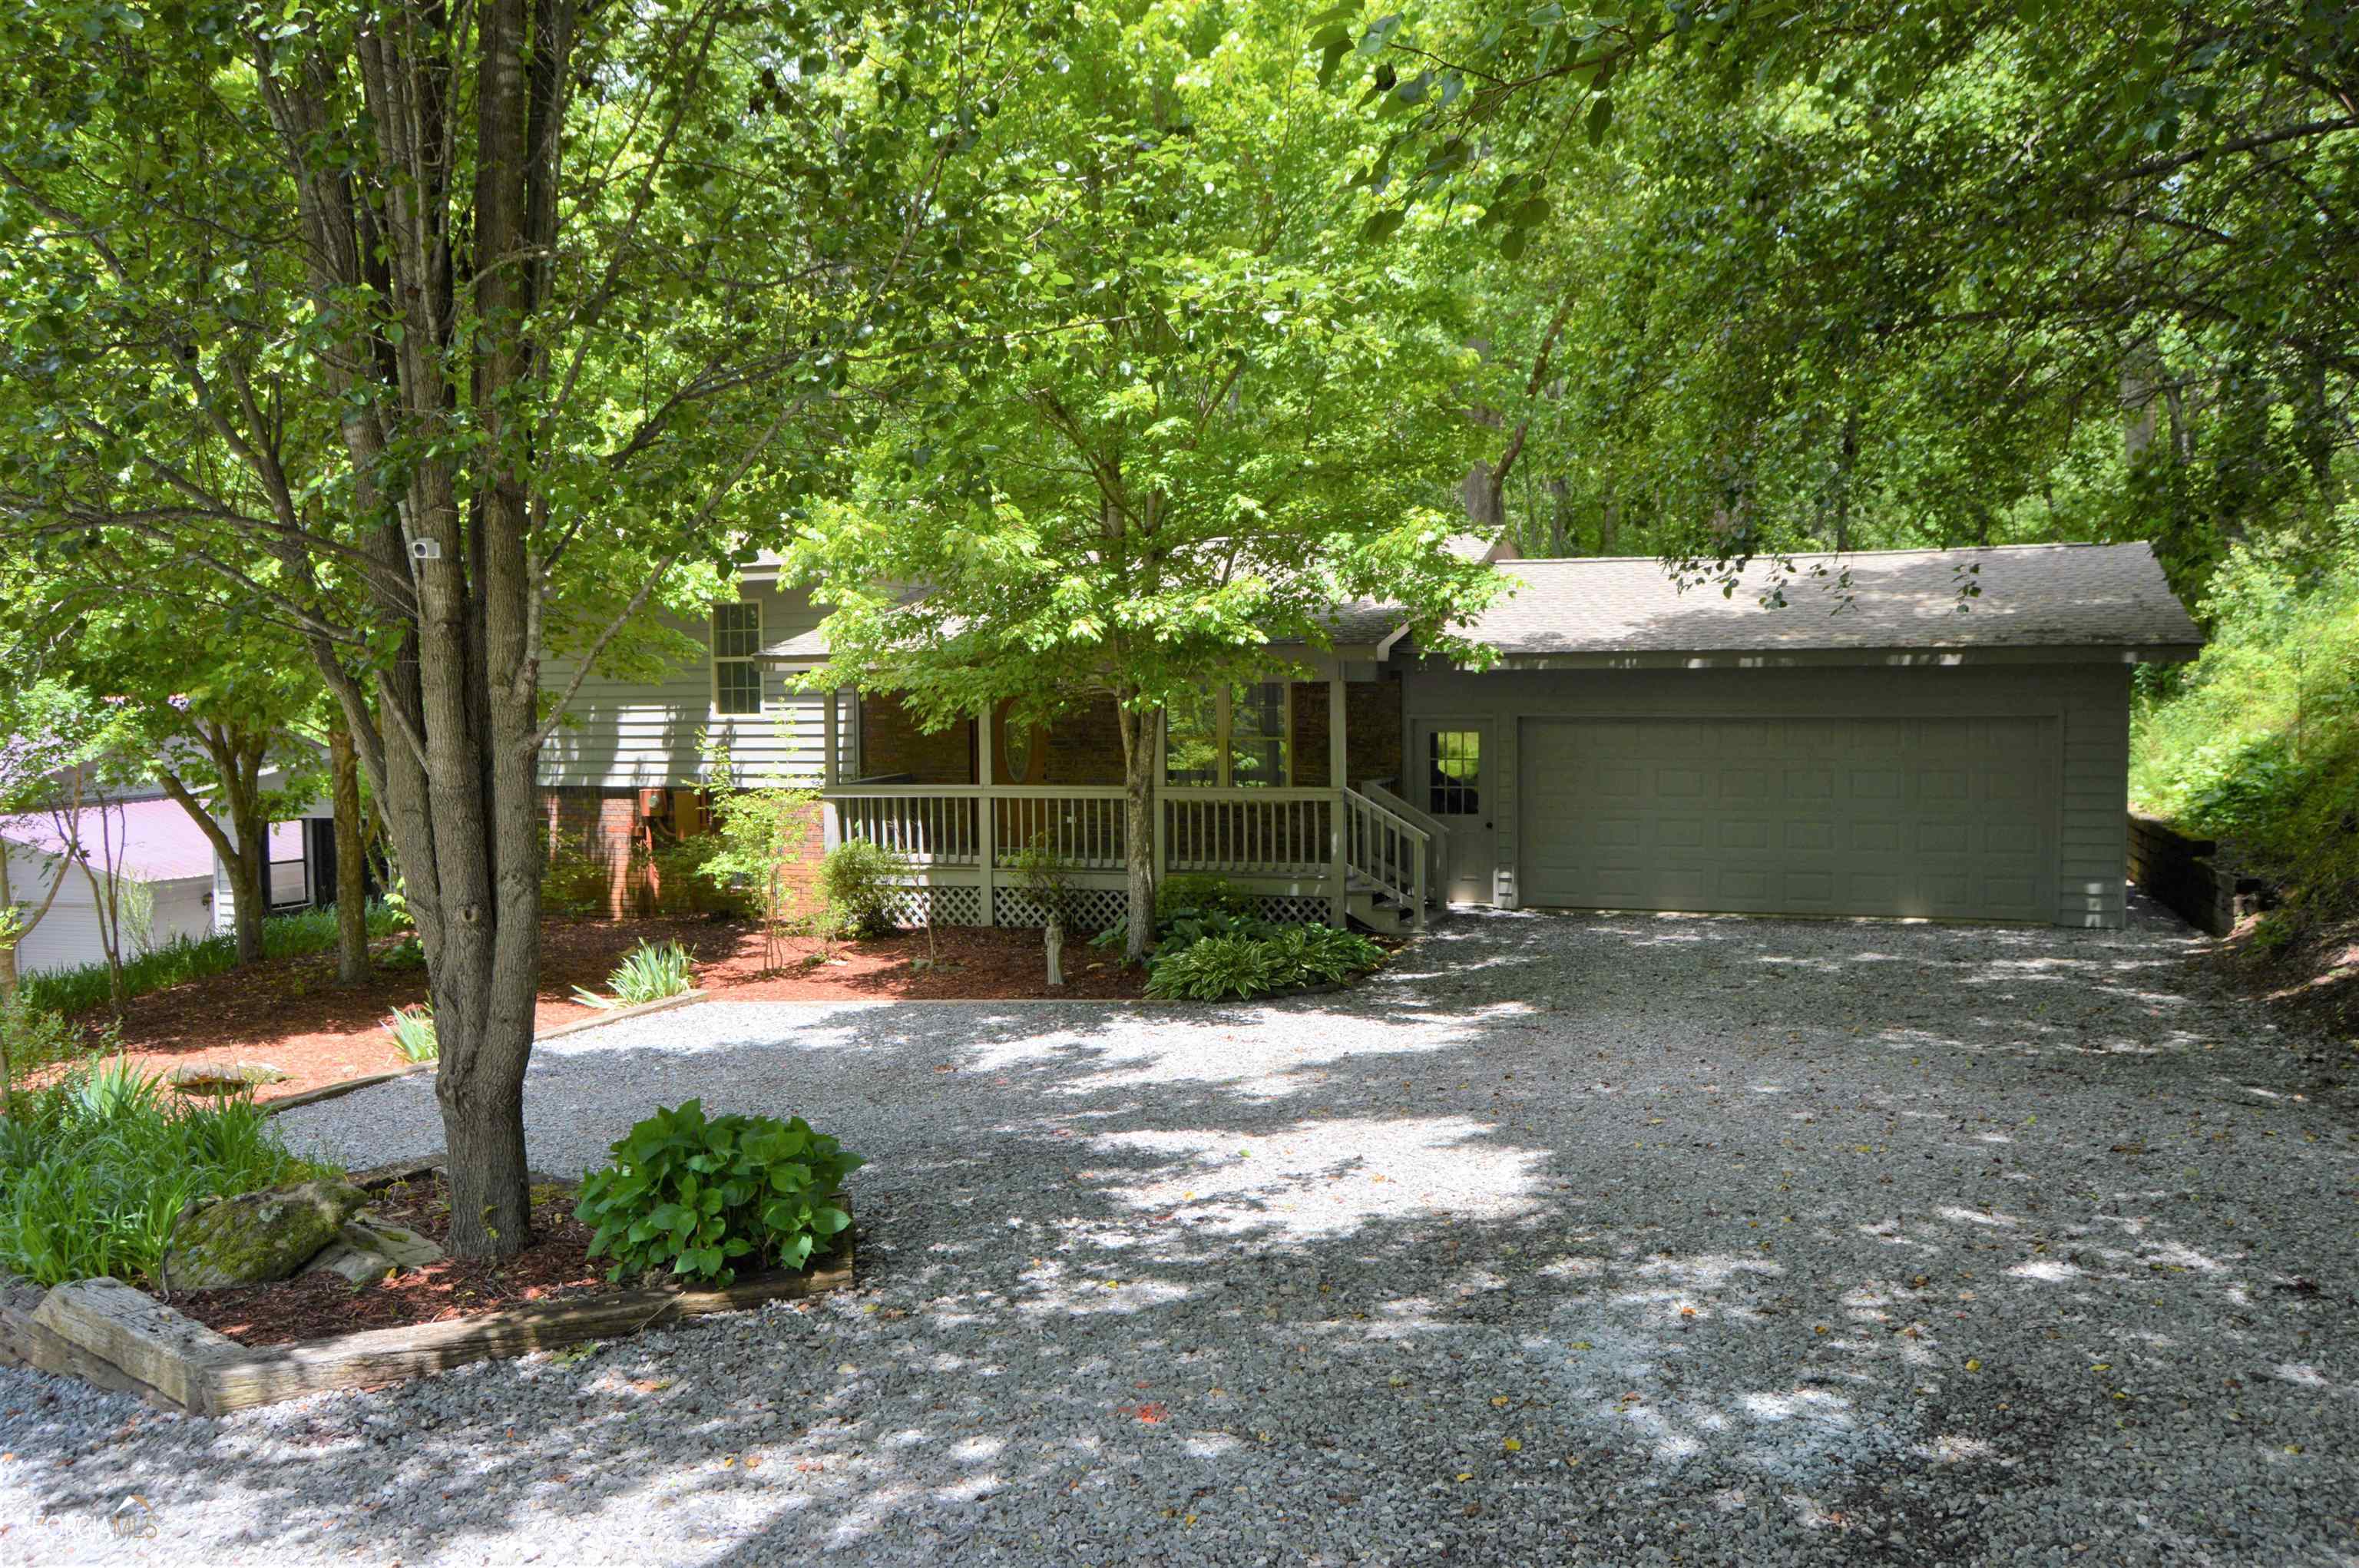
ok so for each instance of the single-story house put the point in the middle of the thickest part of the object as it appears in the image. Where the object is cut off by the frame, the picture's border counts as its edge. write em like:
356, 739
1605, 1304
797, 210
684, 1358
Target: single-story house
187, 888
1898, 748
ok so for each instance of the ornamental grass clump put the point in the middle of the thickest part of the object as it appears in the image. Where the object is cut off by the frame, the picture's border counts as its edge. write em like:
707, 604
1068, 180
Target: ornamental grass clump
647, 974
95, 1169
693, 1195
413, 1033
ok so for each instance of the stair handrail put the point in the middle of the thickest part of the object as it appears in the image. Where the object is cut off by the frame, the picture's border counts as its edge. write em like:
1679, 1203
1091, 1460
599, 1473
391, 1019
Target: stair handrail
1437, 833
1369, 822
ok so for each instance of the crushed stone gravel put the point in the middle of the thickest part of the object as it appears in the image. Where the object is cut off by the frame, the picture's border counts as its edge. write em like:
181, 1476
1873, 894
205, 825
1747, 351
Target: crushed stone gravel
1568, 1239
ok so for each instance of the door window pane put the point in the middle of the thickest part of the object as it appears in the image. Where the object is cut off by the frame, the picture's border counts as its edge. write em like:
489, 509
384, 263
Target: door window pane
1453, 772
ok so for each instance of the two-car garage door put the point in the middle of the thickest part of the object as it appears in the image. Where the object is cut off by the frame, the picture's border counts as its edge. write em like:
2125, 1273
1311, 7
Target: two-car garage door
1943, 817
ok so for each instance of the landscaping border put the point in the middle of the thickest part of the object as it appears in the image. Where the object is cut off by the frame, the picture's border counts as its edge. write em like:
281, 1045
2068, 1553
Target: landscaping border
351, 1085
127, 1341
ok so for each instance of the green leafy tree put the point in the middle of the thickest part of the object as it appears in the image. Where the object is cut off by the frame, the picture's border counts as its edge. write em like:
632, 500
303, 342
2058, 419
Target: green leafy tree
53, 739
454, 338
1174, 412
1851, 274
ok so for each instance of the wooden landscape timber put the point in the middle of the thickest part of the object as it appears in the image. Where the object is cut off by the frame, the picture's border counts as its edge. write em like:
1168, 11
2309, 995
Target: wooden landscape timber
124, 1340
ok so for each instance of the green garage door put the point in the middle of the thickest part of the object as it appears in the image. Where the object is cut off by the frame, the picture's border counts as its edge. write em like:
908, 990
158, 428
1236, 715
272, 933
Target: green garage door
1946, 818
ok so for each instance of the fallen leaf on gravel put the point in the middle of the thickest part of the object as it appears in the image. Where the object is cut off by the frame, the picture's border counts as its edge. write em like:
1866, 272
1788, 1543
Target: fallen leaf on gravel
1974, 1365
1512, 1445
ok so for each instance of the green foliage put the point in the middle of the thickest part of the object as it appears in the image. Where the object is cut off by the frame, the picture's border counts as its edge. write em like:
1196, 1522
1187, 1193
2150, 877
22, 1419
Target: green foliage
412, 1029
761, 837
858, 881
1200, 894
647, 974
2258, 743
1188, 905
95, 1168
1215, 967
1253, 961
33, 1036
183, 959
575, 882
1047, 877
695, 1194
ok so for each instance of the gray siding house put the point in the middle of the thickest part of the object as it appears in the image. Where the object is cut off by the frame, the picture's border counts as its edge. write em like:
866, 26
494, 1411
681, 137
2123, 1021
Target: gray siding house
1881, 742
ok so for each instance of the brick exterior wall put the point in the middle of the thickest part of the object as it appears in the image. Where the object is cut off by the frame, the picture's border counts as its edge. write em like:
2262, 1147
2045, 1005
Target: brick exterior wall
603, 827
891, 742
1085, 746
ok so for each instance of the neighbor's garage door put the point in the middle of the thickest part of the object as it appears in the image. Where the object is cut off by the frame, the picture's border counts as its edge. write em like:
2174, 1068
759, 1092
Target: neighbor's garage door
1936, 817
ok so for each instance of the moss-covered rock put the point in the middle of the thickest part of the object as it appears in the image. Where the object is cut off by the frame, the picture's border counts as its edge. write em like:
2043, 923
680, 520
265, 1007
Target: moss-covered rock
256, 1236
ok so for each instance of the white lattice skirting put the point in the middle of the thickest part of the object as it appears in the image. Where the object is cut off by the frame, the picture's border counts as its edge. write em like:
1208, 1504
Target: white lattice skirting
936, 906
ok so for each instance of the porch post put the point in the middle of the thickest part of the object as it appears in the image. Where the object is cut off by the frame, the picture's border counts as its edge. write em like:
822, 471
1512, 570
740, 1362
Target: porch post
828, 739
1338, 870
1154, 798
986, 816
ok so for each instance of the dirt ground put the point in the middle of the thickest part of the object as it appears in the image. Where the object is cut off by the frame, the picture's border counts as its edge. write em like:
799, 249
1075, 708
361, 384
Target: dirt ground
292, 1015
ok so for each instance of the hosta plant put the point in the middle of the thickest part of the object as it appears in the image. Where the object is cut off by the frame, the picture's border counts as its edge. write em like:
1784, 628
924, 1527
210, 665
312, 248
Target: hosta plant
696, 1194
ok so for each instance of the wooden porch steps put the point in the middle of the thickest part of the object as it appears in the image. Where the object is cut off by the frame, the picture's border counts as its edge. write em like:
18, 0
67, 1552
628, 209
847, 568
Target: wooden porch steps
1379, 912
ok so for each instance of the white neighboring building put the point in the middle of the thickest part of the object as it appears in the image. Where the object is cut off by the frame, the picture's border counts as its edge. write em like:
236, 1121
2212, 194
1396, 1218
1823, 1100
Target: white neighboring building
161, 849
164, 849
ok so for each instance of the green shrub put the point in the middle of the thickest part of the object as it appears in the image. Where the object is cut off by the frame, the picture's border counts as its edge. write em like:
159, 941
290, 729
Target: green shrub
1323, 955
1214, 968
1254, 963
575, 882
413, 1033
404, 955
1200, 894
695, 1194
2256, 744
647, 974
859, 881
33, 1036
80, 990
95, 1169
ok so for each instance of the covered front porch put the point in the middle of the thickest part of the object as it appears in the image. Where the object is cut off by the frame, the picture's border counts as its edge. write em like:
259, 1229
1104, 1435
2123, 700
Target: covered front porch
1287, 789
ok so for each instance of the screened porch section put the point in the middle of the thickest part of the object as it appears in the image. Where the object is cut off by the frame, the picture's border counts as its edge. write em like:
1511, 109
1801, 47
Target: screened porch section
1226, 805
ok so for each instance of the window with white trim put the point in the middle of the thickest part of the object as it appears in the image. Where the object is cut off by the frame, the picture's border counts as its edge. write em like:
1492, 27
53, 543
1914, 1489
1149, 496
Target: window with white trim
1231, 737
736, 638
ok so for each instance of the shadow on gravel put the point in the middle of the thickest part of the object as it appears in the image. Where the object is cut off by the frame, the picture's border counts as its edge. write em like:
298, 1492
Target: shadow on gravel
1520, 1253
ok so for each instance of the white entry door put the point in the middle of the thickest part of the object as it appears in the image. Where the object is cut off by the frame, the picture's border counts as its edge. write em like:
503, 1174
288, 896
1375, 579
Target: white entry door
1451, 779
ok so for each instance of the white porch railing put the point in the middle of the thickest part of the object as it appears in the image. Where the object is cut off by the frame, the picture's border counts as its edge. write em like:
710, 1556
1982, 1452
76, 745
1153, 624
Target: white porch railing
1314, 841
1387, 851
1265, 833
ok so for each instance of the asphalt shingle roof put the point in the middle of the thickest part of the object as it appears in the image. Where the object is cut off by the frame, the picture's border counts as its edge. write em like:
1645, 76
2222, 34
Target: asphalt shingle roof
2042, 595
2031, 596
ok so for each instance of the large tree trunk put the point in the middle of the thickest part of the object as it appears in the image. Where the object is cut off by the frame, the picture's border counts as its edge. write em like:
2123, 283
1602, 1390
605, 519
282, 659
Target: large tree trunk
249, 880
1138, 821
351, 861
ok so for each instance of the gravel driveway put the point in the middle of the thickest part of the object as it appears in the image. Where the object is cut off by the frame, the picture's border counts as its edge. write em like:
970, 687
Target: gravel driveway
1612, 1240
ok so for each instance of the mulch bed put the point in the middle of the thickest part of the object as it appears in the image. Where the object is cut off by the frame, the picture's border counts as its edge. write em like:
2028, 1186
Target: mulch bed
292, 1015
311, 1306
